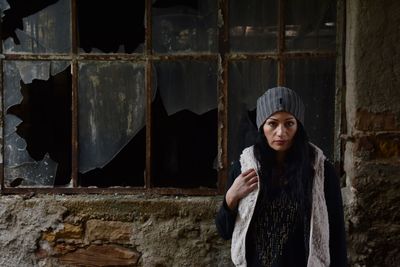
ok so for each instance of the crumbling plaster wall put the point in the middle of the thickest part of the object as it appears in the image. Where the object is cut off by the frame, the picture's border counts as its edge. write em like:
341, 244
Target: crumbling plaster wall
372, 153
110, 230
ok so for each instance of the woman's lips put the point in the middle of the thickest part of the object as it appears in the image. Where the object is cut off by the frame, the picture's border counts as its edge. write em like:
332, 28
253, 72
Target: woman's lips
280, 142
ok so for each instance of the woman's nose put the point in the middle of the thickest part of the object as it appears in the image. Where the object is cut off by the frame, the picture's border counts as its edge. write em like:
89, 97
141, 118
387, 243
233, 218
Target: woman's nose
280, 130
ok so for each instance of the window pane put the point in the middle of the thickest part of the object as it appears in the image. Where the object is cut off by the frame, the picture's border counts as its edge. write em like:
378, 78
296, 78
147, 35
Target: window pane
247, 81
185, 124
37, 132
310, 25
112, 105
45, 27
253, 25
184, 26
314, 81
111, 26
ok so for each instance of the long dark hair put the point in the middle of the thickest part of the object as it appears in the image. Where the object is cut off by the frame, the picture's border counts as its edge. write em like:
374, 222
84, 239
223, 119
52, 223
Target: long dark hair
298, 173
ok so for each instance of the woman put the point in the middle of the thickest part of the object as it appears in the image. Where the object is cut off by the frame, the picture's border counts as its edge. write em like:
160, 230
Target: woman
284, 205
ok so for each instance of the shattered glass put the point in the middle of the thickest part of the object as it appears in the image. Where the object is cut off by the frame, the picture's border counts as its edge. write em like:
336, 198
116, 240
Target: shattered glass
311, 26
187, 85
112, 106
4, 6
46, 30
185, 124
253, 25
190, 27
19, 166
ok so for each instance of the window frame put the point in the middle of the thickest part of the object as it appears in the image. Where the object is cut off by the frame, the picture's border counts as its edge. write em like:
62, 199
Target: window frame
223, 57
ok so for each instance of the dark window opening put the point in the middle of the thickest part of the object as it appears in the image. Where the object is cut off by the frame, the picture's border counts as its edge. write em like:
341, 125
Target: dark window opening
315, 84
172, 3
253, 25
20, 9
111, 121
184, 26
45, 112
184, 124
109, 26
125, 169
184, 148
247, 80
312, 25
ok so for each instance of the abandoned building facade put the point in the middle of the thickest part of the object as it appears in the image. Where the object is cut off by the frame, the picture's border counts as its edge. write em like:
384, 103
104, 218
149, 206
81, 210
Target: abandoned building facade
120, 121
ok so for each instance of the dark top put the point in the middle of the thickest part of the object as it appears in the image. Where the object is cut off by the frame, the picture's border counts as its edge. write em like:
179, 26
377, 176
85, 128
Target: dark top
294, 250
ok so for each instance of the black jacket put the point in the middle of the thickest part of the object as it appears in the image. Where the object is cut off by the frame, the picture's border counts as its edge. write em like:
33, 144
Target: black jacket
225, 219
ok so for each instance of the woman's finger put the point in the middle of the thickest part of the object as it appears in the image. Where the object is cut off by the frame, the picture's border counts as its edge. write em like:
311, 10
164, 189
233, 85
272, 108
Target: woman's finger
249, 175
247, 172
253, 180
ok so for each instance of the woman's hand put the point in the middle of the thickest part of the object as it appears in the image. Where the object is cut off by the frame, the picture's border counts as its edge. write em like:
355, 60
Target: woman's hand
245, 183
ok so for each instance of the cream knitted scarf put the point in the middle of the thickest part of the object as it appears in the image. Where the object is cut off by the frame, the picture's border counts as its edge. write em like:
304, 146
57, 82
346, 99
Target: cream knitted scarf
319, 225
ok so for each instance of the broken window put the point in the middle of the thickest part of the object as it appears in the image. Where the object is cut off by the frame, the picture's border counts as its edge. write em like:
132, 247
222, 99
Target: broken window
153, 94
185, 124
184, 26
312, 25
110, 27
36, 26
253, 25
112, 110
37, 125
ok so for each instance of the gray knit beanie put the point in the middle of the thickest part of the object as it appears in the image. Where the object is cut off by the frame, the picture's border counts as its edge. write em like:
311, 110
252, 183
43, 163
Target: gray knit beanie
279, 99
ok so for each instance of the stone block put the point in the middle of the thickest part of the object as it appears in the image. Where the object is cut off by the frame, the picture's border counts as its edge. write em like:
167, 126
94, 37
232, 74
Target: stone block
369, 121
111, 231
103, 255
380, 146
69, 231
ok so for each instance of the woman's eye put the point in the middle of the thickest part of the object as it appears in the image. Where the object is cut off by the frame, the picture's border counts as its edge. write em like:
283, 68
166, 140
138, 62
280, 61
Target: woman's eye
272, 124
289, 124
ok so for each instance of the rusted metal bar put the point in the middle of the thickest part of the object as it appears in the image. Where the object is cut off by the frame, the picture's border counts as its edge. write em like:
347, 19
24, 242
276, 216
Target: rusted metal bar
308, 54
74, 96
148, 85
75, 123
114, 190
223, 63
22, 57
176, 57
2, 107
99, 57
148, 183
113, 57
252, 56
340, 107
148, 28
281, 43
74, 27
284, 55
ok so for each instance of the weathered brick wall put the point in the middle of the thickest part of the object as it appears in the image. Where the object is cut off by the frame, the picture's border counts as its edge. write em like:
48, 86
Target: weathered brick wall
372, 155
110, 230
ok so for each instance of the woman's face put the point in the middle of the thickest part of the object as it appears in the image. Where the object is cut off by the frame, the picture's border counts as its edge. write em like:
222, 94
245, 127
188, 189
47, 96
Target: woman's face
280, 129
